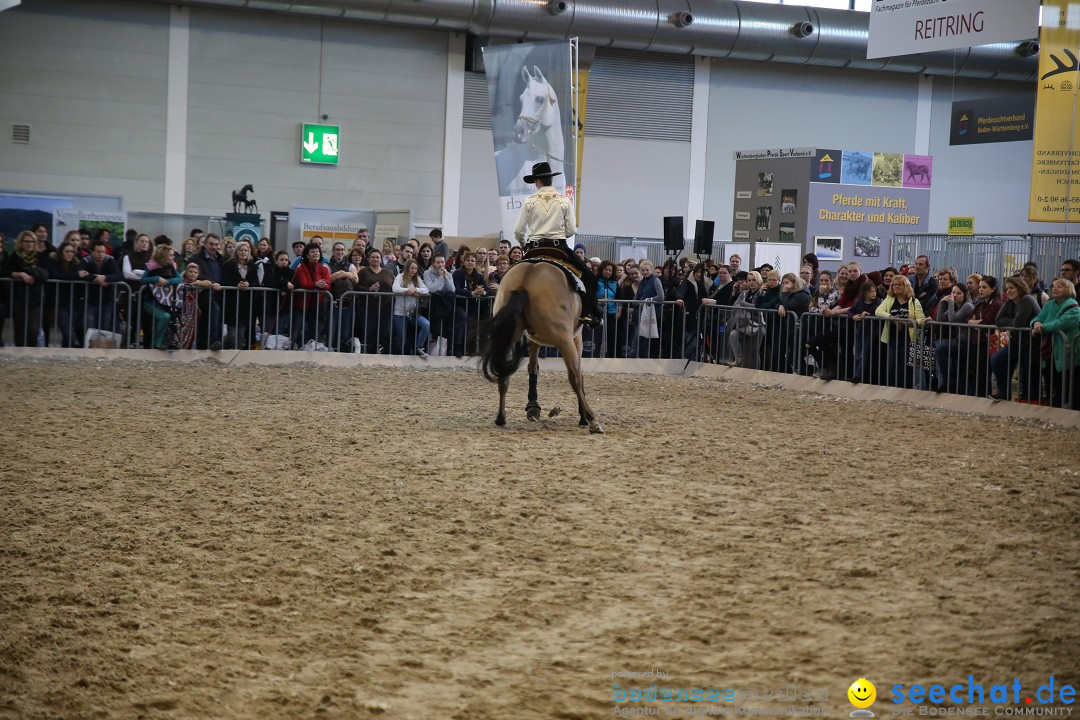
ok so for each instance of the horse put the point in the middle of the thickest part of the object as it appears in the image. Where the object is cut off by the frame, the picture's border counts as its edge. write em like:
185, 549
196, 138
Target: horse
923, 171
540, 112
239, 197
250, 205
536, 300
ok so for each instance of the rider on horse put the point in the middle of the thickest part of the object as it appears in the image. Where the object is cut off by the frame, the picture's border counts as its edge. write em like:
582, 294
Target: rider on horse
548, 218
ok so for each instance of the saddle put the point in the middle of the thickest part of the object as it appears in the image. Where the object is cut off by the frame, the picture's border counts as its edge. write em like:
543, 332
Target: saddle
556, 256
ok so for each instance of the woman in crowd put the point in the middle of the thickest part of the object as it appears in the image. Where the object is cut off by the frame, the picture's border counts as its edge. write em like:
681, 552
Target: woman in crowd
28, 275
409, 324
628, 311
747, 325
484, 262
69, 298
440, 285
228, 248
650, 298
1030, 277
161, 297
1061, 316
811, 259
311, 308
670, 322
238, 305
794, 302
425, 257
469, 286
135, 261
516, 254
904, 314
946, 279
818, 333
987, 307
1016, 313
690, 296
867, 343
388, 255
265, 252
955, 310
972, 286
278, 276
607, 288
886, 281
768, 298
502, 264
189, 249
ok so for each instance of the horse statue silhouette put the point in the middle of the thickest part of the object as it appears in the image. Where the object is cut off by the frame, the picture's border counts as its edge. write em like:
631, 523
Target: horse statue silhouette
539, 122
240, 197
536, 300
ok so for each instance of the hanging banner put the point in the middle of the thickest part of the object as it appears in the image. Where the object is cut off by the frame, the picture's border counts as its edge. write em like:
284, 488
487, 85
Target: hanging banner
1055, 171
67, 219
531, 119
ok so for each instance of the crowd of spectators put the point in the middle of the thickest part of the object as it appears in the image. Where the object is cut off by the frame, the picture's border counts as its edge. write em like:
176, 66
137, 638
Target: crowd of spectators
906, 327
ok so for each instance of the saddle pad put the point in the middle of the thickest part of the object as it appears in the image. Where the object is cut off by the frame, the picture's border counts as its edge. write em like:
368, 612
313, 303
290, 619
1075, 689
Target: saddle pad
569, 270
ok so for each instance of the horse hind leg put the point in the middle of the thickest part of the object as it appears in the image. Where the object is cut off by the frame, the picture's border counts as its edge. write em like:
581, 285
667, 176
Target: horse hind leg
532, 408
500, 418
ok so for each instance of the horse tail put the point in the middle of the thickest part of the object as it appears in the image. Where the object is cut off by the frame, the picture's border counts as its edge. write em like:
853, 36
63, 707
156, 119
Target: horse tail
500, 355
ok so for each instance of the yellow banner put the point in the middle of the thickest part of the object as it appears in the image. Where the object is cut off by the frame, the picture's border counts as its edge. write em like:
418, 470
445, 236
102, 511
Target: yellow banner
1055, 171
582, 80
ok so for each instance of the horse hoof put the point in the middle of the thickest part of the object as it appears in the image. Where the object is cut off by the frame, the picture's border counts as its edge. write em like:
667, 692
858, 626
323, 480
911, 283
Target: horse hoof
533, 414
598, 430
582, 422
500, 420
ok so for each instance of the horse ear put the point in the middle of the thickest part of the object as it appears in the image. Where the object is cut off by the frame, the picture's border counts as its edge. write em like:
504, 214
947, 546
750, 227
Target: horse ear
539, 75
525, 74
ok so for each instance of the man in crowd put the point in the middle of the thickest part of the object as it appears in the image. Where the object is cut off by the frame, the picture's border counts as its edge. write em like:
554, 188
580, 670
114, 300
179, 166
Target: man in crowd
298, 253
440, 246
504, 247
101, 270
209, 260
923, 283
1070, 270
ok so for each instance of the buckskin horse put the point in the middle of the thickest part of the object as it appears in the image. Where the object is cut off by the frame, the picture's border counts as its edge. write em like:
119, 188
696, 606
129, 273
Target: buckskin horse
535, 299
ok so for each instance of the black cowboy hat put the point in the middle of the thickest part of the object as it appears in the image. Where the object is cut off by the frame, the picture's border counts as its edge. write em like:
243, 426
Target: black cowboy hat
540, 170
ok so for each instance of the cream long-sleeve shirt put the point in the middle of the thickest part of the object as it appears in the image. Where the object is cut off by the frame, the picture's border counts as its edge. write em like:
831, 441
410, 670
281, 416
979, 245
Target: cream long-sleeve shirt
546, 215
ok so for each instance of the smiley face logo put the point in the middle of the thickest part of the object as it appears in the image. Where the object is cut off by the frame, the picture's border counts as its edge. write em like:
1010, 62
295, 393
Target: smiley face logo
862, 693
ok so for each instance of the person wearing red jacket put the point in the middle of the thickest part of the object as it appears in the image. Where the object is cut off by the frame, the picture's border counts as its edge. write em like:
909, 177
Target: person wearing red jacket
311, 308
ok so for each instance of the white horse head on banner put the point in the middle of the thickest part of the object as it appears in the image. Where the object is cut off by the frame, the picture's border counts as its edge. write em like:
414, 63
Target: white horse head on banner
539, 122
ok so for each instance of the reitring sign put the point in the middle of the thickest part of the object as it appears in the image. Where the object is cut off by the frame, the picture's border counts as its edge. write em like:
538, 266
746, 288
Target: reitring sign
903, 27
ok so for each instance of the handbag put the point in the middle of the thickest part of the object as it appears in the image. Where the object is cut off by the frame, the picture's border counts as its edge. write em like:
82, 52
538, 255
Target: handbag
920, 355
647, 326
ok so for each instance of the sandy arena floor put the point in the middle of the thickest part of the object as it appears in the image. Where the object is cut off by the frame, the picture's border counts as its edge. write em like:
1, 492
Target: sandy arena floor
209, 542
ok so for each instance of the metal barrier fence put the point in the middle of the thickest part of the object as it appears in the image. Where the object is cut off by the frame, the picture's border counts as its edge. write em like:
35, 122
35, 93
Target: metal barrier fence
966, 359
81, 313
997, 255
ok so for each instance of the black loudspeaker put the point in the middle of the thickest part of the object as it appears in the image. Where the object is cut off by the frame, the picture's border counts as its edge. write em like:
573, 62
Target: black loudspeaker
673, 233
703, 234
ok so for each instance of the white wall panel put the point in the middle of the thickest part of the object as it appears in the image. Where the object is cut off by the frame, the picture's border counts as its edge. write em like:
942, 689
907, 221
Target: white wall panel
255, 78
89, 78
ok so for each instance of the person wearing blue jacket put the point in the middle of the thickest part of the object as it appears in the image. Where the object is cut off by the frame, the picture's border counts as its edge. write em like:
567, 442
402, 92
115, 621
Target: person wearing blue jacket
608, 289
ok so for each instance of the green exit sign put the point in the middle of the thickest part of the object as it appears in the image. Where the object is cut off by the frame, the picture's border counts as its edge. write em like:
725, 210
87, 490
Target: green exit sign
319, 144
